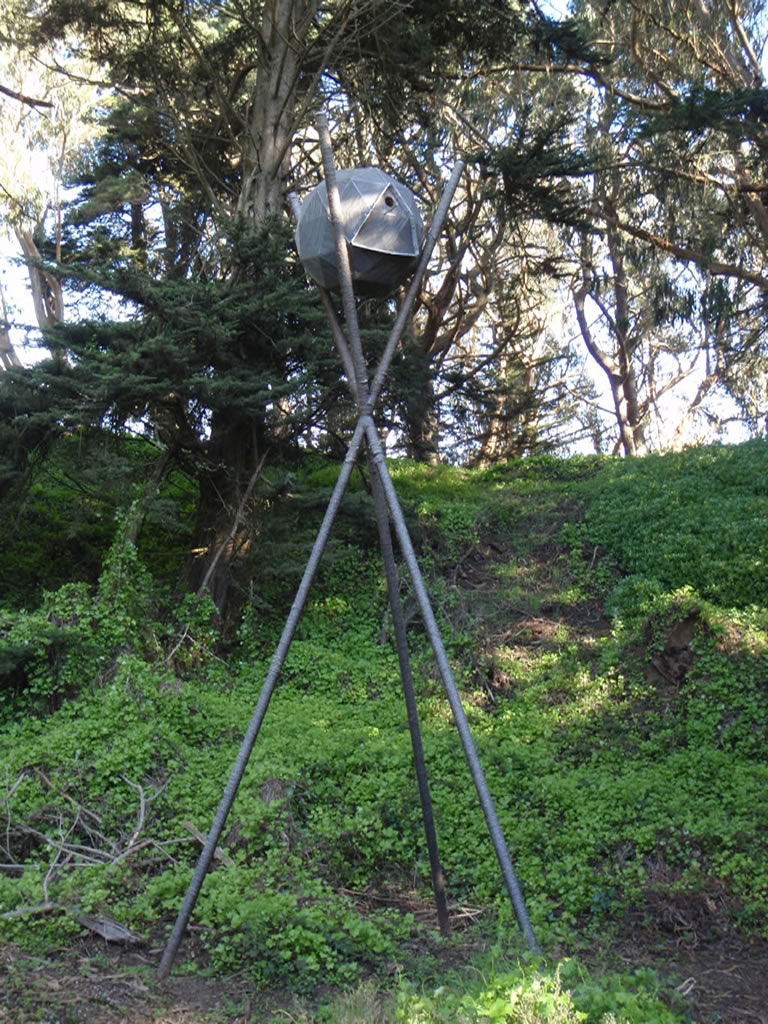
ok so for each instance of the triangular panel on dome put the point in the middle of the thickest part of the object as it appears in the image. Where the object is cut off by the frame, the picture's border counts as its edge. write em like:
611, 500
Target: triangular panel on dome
388, 227
380, 221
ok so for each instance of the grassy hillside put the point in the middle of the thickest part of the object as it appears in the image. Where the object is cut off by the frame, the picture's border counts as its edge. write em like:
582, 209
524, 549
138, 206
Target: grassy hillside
607, 624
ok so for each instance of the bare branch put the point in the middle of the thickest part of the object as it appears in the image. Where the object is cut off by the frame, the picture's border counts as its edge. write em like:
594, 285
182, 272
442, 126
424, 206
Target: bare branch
233, 529
142, 809
29, 101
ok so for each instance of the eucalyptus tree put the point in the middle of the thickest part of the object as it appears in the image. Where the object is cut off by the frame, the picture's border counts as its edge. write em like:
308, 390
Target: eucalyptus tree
45, 95
506, 382
482, 364
8, 354
705, 146
658, 166
632, 304
671, 279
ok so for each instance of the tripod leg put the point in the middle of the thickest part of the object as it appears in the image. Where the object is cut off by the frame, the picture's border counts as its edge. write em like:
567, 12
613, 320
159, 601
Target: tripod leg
449, 684
406, 675
292, 622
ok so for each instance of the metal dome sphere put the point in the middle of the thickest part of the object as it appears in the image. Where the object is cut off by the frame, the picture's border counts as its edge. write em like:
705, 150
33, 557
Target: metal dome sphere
381, 224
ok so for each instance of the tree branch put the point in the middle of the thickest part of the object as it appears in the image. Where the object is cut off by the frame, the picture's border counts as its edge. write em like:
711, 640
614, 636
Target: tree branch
683, 252
233, 529
30, 101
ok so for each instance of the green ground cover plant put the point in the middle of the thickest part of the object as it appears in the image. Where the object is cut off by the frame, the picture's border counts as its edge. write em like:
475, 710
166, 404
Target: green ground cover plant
616, 693
529, 994
705, 511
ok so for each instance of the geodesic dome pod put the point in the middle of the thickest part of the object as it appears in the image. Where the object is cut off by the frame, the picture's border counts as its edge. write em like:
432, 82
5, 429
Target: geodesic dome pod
382, 226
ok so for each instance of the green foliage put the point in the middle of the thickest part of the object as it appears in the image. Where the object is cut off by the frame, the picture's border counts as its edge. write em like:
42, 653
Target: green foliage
542, 468
706, 511
60, 517
628, 997
737, 112
42, 654
198, 350
539, 995
533, 167
592, 575
297, 934
627, 769
522, 998
72, 640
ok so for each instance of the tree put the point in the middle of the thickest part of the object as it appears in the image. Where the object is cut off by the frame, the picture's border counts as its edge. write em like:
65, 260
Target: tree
212, 343
44, 105
658, 165
485, 302
686, 133
630, 302
8, 356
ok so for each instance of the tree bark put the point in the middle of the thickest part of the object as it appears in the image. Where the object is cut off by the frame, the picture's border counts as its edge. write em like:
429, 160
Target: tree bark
47, 293
421, 425
8, 356
235, 450
616, 365
272, 124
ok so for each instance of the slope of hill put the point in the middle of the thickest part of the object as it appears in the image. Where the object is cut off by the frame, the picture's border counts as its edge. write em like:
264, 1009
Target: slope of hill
607, 623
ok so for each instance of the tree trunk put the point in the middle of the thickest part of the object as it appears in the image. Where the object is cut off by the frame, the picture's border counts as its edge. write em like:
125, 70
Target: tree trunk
617, 364
615, 373
272, 122
421, 425
234, 453
237, 446
8, 357
47, 293
628, 411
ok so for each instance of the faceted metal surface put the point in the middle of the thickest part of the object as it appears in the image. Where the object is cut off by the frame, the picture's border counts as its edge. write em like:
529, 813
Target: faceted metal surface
382, 226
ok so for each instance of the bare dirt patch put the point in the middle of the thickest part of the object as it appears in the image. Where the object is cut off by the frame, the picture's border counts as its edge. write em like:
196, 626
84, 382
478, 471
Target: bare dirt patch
110, 987
724, 976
